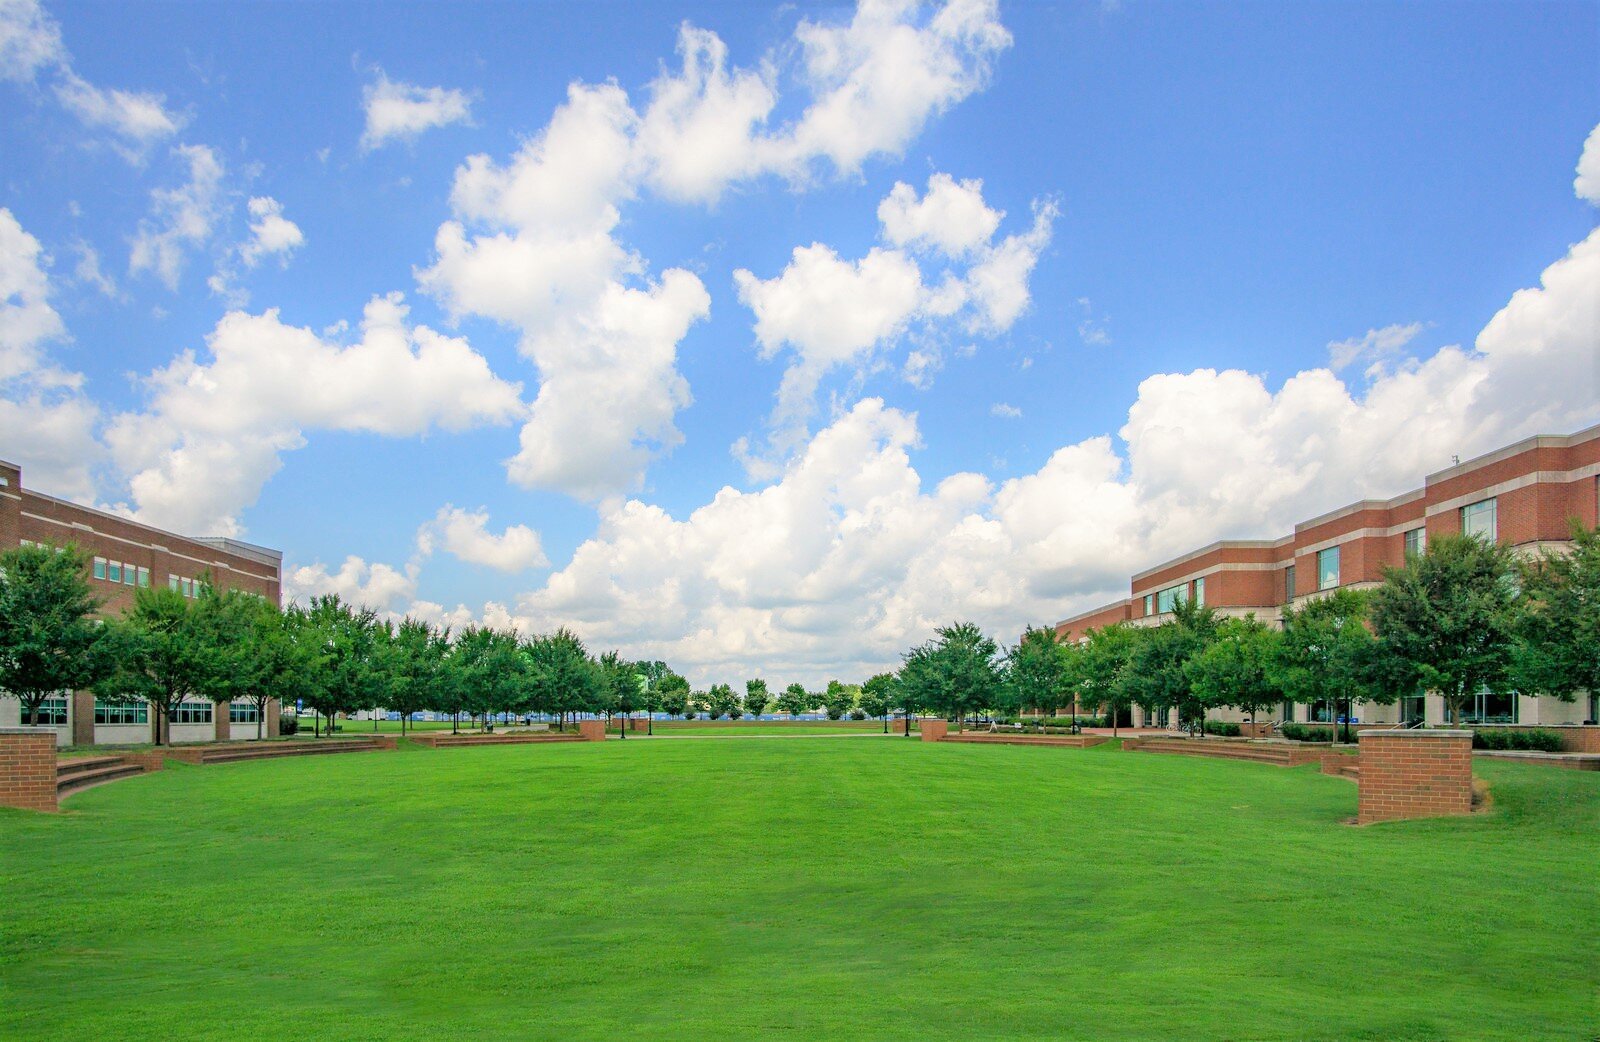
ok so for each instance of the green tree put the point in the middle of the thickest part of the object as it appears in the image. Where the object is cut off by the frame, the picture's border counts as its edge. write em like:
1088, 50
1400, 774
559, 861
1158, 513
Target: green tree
346, 636
48, 641
1326, 653
163, 654
756, 697
493, 672
839, 699
653, 677
1236, 669
622, 688
878, 697
1448, 617
721, 701
674, 695
957, 673
1157, 676
565, 680
1036, 672
278, 663
796, 700
419, 655
1557, 648
1096, 671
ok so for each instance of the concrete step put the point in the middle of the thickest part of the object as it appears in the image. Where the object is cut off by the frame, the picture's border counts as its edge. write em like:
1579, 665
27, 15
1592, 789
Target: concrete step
1217, 750
84, 779
80, 764
270, 751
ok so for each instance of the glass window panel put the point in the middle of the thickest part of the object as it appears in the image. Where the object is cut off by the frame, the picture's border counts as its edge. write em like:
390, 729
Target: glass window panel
144, 577
1478, 519
1288, 584
1200, 592
99, 567
1328, 568
1416, 541
114, 571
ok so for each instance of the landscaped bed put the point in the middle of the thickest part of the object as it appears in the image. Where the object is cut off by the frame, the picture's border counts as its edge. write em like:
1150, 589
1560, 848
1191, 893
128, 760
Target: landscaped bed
800, 889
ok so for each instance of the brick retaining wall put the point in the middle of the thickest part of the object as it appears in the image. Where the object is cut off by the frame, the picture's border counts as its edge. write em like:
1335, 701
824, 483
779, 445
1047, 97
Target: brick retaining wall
28, 768
1414, 774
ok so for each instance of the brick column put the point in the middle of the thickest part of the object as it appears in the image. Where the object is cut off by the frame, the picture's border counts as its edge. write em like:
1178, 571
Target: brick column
222, 720
592, 730
28, 768
933, 730
1419, 773
274, 714
83, 718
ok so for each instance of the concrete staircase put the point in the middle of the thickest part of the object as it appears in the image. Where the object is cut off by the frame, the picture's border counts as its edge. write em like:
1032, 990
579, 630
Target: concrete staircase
439, 740
272, 750
83, 772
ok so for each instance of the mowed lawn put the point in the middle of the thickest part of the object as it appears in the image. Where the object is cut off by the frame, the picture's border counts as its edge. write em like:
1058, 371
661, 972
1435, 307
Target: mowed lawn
799, 889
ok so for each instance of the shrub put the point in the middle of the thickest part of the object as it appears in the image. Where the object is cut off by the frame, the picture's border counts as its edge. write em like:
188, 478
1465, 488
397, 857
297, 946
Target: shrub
288, 725
858, 714
1307, 733
1525, 741
1223, 728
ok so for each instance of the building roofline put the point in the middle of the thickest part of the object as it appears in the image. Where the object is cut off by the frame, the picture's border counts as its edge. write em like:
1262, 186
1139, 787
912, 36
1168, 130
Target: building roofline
1124, 602
1537, 441
260, 554
1221, 544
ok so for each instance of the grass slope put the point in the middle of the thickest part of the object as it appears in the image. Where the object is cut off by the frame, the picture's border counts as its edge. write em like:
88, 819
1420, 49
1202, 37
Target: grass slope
813, 889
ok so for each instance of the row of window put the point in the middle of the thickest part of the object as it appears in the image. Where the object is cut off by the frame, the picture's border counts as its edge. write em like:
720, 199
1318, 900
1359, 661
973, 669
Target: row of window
187, 587
53, 713
1166, 600
1477, 519
119, 572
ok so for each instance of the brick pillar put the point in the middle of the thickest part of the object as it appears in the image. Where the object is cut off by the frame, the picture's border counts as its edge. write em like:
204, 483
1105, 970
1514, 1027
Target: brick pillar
1419, 773
592, 730
83, 718
28, 768
274, 714
221, 721
933, 730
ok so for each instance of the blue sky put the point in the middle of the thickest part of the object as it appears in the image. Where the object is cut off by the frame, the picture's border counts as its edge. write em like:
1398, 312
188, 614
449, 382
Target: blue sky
985, 417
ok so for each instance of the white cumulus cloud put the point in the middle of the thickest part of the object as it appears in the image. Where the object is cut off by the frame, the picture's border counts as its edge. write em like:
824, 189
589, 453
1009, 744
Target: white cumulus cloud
47, 424
181, 218
402, 112
215, 428
465, 534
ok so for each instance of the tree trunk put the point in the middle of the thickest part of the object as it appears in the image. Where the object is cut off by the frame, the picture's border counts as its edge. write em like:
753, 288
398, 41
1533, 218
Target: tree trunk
261, 721
33, 715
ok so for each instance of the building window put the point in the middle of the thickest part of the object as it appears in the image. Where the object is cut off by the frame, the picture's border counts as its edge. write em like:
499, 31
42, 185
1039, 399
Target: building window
114, 571
1149, 604
52, 713
1328, 568
192, 713
99, 567
1288, 585
1478, 519
144, 577
243, 713
1171, 597
130, 575
1488, 708
1416, 541
1200, 592
106, 713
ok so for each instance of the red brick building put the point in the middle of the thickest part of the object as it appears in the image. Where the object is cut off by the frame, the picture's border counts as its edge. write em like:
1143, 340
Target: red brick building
1522, 495
125, 557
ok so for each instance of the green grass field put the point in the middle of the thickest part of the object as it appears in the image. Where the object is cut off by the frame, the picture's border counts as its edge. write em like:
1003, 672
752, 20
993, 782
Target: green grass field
803, 889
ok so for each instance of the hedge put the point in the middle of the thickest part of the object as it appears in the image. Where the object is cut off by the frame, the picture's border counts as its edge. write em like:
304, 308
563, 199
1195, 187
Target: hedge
1223, 728
1528, 741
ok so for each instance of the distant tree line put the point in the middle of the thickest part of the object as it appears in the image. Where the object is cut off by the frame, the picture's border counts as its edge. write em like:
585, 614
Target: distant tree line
1464, 617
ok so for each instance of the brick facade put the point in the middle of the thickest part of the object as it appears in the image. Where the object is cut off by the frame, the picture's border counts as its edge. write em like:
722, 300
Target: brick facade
27, 515
28, 768
1537, 484
1414, 774
933, 730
